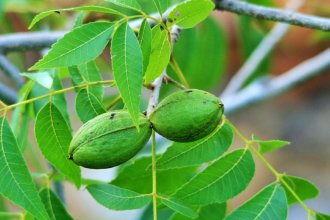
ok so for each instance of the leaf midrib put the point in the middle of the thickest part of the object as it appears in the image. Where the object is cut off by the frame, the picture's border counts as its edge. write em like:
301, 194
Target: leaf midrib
267, 203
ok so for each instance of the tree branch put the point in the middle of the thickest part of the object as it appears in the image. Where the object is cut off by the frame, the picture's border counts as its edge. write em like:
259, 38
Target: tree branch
285, 16
260, 52
28, 41
270, 87
7, 94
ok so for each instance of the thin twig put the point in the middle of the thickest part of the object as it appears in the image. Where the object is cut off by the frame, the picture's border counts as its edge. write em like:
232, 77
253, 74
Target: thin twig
260, 53
267, 88
153, 101
61, 91
11, 71
267, 13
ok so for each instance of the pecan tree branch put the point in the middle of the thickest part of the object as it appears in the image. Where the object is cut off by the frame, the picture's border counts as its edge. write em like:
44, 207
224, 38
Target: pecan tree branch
267, 88
274, 14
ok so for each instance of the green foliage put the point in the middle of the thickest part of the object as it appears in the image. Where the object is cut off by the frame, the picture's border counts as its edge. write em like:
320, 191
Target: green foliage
179, 207
271, 201
127, 64
117, 198
222, 180
184, 181
197, 152
15, 180
54, 136
190, 13
145, 42
202, 54
160, 54
269, 146
303, 188
54, 206
129, 4
81, 45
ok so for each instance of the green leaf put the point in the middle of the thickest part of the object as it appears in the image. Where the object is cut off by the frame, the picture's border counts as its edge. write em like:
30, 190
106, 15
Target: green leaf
117, 198
81, 45
129, 4
91, 8
91, 73
197, 152
322, 216
203, 49
302, 187
54, 206
158, 6
21, 118
270, 202
53, 137
88, 105
190, 13
269, 146
179, 207
127, 65
160, 54
222, 180
43, 78
145, 42
15, 180
212, 212
139, 174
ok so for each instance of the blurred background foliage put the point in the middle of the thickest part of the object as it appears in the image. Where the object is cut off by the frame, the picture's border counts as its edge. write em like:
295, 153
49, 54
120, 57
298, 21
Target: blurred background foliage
208, 55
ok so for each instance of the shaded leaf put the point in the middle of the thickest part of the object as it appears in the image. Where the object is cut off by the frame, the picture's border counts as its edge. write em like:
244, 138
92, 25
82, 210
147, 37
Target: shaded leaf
160, 54
322, 216
91, 73
92, 8
145, 42
202, 54
54, 206
220, 181
158, 6
88, 105
53, 137
212, 212
15, 180
189, 13
209, 212
179, 207
302, 187
81, 45
139, 174
129, 4
127, 65
269, 146
197, 152
117, 198
43, 78
270, 202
